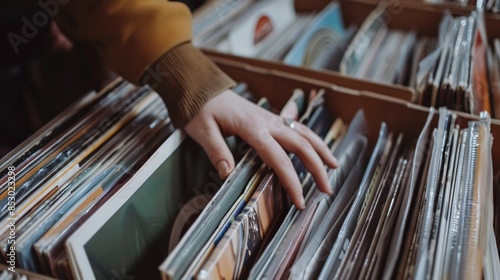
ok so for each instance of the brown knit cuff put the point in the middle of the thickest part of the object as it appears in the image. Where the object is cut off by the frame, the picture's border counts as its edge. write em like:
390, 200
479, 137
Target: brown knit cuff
185, 79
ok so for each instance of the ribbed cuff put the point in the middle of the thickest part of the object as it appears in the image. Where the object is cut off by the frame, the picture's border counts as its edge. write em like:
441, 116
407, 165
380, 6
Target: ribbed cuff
185, 79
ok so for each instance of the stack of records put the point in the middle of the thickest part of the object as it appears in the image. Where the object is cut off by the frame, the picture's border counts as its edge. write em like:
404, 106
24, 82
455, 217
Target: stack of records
457, 73
457, 69
414, 210
262, 29
54, 181
117, 194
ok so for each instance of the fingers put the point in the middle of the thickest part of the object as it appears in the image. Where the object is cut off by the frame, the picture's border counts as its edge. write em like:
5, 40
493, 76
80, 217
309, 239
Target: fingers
302, 147
268, 135
319, 146
275, 157
210, 138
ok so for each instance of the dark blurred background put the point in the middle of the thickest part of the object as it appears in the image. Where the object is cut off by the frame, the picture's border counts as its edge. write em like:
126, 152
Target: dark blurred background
46, 74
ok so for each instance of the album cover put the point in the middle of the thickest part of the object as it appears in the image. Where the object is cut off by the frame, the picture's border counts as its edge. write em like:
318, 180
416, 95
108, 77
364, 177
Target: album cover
356, 52
325, 32
127, 234
259, 27
234, 255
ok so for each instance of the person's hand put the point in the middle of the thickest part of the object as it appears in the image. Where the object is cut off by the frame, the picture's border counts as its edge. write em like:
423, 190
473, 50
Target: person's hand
230, 114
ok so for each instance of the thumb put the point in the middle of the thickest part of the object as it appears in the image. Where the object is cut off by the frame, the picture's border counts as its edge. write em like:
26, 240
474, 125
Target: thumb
206, 132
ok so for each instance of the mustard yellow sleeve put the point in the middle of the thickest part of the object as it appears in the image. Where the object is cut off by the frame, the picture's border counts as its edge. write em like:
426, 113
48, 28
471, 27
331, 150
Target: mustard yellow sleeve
148, 42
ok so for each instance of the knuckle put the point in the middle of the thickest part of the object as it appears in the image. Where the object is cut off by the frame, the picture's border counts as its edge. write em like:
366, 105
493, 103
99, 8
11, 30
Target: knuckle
250, 121
263, 137
276, 123
305, 129
249, 126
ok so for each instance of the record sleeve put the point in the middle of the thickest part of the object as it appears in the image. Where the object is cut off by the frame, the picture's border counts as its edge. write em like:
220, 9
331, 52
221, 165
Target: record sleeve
453, 231
356, 52
440, 192
311, 260
325, 32
234, 255
479, 70
259, 26
387, 231
403, 222
124, 229
440, 137
352, 216
51, 244
204, 254
365, 231
444, 225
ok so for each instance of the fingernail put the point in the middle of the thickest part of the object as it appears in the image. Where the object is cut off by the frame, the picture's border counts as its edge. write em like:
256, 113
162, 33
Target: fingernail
329, 190
335, 162
302, 203
223, 169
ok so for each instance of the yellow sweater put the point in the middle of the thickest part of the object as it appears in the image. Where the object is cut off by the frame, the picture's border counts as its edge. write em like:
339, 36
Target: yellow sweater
147, 42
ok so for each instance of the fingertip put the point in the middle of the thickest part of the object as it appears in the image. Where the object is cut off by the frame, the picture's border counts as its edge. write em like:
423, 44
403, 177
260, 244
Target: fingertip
325, 187
301, 205
224, 168
333, 162
294, 190
329, 190
297, 198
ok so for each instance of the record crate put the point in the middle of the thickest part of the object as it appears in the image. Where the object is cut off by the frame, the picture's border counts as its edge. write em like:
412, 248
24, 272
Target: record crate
412, 16
405, 15
343, 96
276, 82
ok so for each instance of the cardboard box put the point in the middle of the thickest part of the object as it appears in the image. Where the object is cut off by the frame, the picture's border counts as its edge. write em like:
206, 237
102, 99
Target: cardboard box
404, 15
400, 115
277, 85
329, 77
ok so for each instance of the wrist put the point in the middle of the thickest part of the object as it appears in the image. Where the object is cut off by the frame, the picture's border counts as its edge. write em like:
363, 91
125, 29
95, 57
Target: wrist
185, 79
